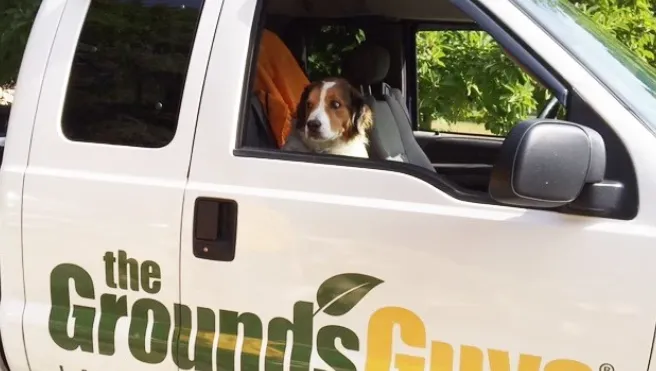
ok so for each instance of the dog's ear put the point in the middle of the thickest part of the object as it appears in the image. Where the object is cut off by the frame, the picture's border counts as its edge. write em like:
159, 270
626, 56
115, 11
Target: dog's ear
301, 108
363, 117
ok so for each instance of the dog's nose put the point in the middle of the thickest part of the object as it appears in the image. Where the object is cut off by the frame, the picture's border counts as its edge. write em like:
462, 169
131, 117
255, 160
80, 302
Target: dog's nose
314, 125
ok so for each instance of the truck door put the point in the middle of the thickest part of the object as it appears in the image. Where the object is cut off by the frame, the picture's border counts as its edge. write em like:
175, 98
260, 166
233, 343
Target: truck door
324, 263
105, 180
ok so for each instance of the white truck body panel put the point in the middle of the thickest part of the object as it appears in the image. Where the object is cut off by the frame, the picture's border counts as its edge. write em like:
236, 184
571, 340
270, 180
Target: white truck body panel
542, 275
81, 202
14, 162
454, 276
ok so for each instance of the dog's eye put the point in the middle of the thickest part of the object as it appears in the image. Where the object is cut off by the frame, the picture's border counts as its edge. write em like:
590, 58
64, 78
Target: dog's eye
308, 104
335, 104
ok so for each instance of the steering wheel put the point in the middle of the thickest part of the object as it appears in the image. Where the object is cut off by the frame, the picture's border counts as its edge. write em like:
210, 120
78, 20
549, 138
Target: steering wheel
550, 111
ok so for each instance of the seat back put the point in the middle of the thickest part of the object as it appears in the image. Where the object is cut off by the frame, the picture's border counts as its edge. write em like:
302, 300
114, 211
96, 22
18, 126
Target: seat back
279, 76
392, 137
257, 131
412, 149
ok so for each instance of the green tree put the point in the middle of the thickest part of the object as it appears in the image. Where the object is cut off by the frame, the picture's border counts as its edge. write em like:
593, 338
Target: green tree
465, 76
633, 22
326, 47
16, 18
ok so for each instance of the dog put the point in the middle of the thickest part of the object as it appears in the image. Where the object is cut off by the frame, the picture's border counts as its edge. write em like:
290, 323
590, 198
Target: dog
332, 118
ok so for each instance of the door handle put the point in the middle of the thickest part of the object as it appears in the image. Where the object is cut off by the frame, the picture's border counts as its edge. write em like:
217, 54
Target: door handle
215, 229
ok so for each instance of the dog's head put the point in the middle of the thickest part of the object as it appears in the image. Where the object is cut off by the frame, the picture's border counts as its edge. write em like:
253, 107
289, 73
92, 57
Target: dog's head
330, 110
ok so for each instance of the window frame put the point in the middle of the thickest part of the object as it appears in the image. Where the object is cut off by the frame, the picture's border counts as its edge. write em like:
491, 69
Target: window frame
504, 37
182, 88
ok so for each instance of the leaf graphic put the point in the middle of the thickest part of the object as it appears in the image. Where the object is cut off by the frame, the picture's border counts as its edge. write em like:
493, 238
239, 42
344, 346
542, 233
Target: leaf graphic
339, 294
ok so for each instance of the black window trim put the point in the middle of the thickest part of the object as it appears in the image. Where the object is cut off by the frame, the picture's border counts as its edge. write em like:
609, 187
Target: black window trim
257, 29
436, 180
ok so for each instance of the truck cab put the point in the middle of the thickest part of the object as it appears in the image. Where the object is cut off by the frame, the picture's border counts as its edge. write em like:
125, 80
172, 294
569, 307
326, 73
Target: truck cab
149, 219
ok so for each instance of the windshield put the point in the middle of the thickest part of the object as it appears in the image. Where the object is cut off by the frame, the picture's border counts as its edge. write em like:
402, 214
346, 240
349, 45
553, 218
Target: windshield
631, 79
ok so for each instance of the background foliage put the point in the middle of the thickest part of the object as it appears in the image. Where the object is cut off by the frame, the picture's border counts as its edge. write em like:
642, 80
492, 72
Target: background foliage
466, 76
16, 17
463, 76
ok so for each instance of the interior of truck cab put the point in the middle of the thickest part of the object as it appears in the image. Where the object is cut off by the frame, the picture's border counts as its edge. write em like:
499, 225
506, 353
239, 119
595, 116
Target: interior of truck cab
380, 47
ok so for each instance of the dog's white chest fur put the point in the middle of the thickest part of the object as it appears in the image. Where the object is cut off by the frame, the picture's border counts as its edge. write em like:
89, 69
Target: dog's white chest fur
356, 147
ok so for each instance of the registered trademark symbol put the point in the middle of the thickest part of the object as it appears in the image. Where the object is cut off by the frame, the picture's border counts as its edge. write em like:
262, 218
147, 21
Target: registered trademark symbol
606, 367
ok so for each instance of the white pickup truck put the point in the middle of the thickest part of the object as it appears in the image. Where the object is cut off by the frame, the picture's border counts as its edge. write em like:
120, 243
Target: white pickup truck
149, 222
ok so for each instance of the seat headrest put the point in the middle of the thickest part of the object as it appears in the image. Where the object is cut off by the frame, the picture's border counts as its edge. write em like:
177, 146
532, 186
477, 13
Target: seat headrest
367, 64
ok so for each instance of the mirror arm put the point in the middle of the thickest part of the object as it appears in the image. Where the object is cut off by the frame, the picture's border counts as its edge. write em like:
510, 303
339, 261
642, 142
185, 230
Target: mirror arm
549, 108
598, 199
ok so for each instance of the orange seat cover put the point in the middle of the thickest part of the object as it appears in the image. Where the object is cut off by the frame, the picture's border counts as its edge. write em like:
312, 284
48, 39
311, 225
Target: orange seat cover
279, 83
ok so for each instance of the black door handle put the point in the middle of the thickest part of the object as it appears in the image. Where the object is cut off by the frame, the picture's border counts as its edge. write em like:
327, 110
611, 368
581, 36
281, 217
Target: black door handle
215, 229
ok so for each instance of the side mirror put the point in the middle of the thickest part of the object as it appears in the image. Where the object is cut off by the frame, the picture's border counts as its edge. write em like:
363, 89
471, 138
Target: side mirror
551, 163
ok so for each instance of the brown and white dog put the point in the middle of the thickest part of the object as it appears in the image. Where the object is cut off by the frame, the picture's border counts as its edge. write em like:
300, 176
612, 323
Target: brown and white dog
333, 118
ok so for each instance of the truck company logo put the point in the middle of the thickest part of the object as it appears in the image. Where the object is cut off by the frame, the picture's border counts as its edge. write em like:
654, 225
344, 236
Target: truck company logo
336, 296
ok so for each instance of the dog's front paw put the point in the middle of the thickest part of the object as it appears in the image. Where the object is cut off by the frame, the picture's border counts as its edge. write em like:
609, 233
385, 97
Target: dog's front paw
397, 158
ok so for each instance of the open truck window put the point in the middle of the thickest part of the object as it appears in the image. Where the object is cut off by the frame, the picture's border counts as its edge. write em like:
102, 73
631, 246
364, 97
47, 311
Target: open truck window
424, 81
468, 84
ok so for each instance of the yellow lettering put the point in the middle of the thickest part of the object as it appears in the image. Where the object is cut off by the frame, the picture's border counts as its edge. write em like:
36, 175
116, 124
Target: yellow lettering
471, 358
381, 354
500, 361
441, 357
529, 363
405, 362
566, 365
380, 342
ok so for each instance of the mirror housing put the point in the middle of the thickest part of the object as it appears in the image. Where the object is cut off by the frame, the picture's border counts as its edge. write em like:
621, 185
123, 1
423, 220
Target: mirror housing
547, 163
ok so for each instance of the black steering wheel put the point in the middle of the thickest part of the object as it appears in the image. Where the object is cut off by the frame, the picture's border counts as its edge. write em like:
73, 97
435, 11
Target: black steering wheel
550, 111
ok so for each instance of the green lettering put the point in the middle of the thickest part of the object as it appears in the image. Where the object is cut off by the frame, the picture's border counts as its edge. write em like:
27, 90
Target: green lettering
204, 343
329, 353
160, 333
150, 269
109, 260
60, 299
123, 263
251, 347
301, 331
111, 309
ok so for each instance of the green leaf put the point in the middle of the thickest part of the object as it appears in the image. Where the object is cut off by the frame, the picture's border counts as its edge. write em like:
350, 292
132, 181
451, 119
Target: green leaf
339, 294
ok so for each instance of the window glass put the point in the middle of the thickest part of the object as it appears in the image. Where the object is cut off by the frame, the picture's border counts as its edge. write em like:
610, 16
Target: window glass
468, 84
615, 63
129, 71
327, 46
